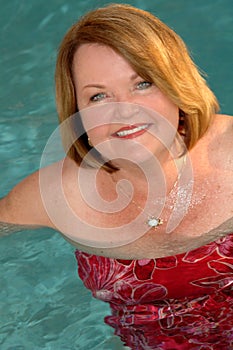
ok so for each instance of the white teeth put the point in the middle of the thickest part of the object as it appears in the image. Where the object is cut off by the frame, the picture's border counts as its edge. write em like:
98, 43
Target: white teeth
131, 131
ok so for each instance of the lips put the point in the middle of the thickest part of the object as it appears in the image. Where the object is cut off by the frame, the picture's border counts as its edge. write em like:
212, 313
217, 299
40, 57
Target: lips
131, 131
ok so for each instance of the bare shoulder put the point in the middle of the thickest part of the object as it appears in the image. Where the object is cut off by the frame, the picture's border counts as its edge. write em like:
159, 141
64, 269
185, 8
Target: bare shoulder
226, 133
224, 123
67, 191
79, 184
218, 143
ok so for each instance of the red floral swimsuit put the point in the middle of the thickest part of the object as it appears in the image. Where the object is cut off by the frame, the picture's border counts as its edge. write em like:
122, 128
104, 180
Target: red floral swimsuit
178, 302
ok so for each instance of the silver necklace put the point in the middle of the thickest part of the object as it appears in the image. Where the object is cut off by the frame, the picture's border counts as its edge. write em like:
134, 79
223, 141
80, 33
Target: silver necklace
152, 220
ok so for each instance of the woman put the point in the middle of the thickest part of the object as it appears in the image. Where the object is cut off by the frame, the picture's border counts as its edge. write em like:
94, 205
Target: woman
133, 106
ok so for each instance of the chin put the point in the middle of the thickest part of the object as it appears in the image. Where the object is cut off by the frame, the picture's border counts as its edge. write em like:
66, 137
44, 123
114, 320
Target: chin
130, 151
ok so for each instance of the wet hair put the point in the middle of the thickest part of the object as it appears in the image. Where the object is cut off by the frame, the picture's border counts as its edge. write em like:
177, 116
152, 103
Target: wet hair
154, 51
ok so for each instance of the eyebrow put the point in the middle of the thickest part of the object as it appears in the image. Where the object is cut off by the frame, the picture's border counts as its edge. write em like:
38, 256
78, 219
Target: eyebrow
100, 86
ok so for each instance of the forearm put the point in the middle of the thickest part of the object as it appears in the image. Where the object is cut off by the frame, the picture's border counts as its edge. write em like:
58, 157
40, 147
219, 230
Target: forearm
12, 221
23, 207
8, 223
7, 228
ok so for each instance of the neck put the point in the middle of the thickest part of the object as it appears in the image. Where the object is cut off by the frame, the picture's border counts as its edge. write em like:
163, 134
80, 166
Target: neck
139, 173
152, 178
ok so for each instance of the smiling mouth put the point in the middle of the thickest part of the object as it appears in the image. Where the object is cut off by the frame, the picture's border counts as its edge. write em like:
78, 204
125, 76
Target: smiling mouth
131, 131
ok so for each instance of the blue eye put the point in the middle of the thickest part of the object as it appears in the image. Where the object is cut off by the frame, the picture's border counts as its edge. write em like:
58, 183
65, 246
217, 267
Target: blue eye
144, 85
98, 97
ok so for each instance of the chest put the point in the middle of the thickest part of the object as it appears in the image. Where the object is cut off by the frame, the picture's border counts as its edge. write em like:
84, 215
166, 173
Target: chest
208, 216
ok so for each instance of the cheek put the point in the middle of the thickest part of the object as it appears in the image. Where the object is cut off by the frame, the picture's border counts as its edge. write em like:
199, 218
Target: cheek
98, 134
166, 108
172, 114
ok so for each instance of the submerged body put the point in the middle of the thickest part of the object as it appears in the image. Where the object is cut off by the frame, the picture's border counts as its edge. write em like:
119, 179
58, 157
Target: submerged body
183, 301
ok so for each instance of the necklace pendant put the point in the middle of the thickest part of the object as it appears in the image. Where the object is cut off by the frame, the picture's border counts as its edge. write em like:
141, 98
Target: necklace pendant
154, 222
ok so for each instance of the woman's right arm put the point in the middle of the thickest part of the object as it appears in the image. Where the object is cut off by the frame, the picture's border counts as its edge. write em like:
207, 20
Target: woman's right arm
23, 207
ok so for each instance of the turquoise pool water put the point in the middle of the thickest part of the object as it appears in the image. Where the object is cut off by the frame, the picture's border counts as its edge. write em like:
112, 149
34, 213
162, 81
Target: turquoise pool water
43, 304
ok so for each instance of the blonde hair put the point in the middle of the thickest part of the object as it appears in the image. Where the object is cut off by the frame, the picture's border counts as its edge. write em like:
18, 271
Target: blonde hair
154, 51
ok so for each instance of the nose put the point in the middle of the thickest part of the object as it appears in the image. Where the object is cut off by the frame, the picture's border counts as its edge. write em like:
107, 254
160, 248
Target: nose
126, 111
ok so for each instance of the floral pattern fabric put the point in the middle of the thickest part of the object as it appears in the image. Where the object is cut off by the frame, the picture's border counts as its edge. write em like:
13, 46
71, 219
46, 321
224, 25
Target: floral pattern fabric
177, 302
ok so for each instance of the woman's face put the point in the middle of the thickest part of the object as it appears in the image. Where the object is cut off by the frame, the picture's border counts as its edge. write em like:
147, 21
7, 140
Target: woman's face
117, 105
